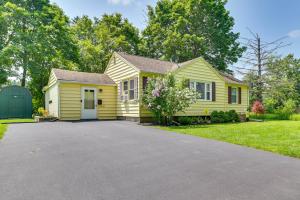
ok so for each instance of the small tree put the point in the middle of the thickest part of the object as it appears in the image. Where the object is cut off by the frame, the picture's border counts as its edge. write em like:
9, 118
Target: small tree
164, 98
258, 108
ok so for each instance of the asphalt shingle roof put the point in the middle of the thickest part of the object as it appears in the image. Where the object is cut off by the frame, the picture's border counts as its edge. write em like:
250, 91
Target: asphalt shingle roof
83, 77
162, 67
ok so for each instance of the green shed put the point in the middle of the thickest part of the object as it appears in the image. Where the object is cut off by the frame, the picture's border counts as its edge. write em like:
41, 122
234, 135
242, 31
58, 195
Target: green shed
15, 102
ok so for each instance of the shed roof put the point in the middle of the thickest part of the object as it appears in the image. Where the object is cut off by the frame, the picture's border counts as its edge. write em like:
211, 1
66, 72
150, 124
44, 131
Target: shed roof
83, 77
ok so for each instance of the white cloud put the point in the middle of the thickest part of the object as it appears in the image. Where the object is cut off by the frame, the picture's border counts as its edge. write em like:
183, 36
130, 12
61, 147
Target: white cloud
122, 2
294, 33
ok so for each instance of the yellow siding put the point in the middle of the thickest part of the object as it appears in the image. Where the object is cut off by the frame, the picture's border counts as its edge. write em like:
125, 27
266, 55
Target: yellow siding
240, 108
70, 105
52, 79
144, 112
52, 95
118, 71
108, 108
199, 70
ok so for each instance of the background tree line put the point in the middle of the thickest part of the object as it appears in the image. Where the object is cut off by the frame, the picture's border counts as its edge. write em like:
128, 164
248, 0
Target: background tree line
36, 36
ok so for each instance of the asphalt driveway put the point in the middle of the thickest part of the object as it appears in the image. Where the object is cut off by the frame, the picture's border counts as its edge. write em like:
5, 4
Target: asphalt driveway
120, 160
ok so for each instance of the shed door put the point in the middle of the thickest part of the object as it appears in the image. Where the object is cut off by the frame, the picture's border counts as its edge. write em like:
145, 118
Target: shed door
17, 106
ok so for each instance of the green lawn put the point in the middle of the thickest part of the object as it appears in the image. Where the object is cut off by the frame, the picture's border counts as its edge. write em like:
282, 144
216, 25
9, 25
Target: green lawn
4, 122
281, 137
2, 130
9, 121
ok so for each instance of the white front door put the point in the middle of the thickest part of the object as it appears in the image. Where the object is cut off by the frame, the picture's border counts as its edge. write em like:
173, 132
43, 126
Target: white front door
89, 103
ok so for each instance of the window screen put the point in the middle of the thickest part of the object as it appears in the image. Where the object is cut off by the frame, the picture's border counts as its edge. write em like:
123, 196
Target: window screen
89, 101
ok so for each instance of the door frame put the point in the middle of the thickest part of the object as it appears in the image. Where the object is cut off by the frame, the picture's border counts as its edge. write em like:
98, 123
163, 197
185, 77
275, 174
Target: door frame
93, 113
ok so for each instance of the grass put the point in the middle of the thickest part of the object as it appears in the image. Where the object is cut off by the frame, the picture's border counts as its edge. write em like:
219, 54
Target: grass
4, 122
281, 137
10, 121
267, 117
3, 128
295, 117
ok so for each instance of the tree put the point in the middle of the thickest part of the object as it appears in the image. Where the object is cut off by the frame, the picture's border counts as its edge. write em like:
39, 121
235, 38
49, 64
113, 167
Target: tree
180, 30
100, 37
282, 80
256, 59
37, 38
164, 98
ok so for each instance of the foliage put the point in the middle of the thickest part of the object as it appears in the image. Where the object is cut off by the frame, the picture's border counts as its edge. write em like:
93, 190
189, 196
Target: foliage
164, 98
255, 87
258, 108
276, 136
283, 80
287, 109
267, 116
189, 120
270, 105
43, 112
37, 38
295, 117
181, 30
224, 117
3, 128
12, 121
100, 37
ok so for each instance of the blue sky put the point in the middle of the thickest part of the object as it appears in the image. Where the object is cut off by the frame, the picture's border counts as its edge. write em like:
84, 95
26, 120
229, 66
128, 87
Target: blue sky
272, 19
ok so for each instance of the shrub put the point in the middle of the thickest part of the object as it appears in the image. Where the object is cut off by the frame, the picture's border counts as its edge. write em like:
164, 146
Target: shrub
295, 117
258, 108
269, 105
233, 116
221, 117
185, 120
43, 112
217, 117
286, 110
164, 98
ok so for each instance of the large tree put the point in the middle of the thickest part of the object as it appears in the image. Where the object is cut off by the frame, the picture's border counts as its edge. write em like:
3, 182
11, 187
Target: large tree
179, 30
282, 80
37, 38
100, 37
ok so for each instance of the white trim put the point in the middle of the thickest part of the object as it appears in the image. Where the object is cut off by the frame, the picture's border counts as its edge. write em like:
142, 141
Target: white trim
135, 89
237, 95
205, 91
84, 83
88, 114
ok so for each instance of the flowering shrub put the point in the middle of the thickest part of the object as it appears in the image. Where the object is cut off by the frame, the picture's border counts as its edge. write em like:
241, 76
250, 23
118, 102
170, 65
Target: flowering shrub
258, 108
164, 98
43, 112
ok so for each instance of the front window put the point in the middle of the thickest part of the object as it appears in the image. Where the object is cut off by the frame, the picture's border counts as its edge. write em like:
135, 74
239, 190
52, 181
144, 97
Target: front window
131, 91
204, 89
233, 95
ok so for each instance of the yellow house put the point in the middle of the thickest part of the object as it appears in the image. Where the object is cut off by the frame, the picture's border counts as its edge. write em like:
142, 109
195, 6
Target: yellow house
116, 94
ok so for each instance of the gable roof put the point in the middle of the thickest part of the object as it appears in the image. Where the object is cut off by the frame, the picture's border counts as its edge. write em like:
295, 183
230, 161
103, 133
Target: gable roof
82, 77
162, 67
148, 64
231, 79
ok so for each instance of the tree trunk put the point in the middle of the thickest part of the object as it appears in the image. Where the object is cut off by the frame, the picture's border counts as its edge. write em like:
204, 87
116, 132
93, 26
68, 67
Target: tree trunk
24, 75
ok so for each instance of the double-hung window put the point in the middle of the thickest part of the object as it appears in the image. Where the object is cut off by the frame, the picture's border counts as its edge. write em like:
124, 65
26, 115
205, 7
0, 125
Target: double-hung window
129, 89
203, 89
234, 95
